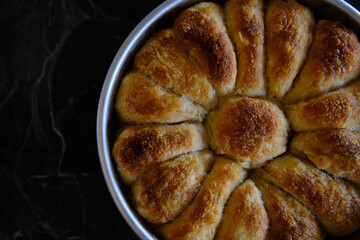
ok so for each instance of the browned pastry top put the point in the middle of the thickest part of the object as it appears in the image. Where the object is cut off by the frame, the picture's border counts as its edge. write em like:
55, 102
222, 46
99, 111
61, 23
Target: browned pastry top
163, 192
246, 128
336, 151
289, 33
338, 141
244, 124
289, 219
245, 24
166, 61
334, 60
140, 100
203, 32
244, 216
201, 218
336, 204
336, 49
337, 109
139, 148
148, 144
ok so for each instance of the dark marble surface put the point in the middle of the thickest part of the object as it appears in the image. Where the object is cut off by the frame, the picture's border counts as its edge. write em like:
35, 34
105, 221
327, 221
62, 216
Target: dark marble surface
53, 60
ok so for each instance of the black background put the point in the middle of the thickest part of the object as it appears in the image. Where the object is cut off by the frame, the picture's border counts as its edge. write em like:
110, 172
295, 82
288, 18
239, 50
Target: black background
54, 56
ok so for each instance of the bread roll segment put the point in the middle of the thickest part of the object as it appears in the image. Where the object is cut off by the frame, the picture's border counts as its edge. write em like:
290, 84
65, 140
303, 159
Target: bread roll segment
164, 59
139, 148
289, 219
202, 30
289, 31
334, 59
337, 151
337, 109
245, 24
251, 131
140, 100
244, 217
164, 191
335, 204
201, 218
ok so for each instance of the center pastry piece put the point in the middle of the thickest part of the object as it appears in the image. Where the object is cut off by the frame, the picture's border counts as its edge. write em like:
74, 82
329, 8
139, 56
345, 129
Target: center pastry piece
250, 131
241, 122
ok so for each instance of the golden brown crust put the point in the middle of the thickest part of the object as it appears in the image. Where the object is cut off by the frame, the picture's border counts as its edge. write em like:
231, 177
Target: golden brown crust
200, 219
163, 192
203, 32
248, 130
289, 219
245, 24
289, 30
164, 59
336, 204
140, 100
139, 148
244, 215
338, 109
337, 151
334, 60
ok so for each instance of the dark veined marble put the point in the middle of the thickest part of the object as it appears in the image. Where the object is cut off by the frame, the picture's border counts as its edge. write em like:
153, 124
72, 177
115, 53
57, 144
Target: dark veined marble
54, 56
53, 61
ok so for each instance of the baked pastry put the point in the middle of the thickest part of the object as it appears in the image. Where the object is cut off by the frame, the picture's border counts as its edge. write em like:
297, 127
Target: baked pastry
164, 59
289, 218
335, 204
198, 114
245, 24
140, 100
139, 148
334, 59
163, 192
337, 151
202, 30
201, 218
251, 131
338, 109
244, 215
288, 37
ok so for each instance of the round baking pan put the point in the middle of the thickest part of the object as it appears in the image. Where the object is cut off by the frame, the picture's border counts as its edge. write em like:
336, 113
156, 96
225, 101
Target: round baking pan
107, 121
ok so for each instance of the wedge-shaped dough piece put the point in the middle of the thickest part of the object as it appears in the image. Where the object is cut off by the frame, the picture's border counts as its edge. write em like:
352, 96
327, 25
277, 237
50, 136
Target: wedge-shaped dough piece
203, 32
244, 215
251, 131
335, 204
245, 24
165, 60
289, 30
164, 191
334, 60
337, 151
201, 218
338, 109
139, 148
288, 217
140, 100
